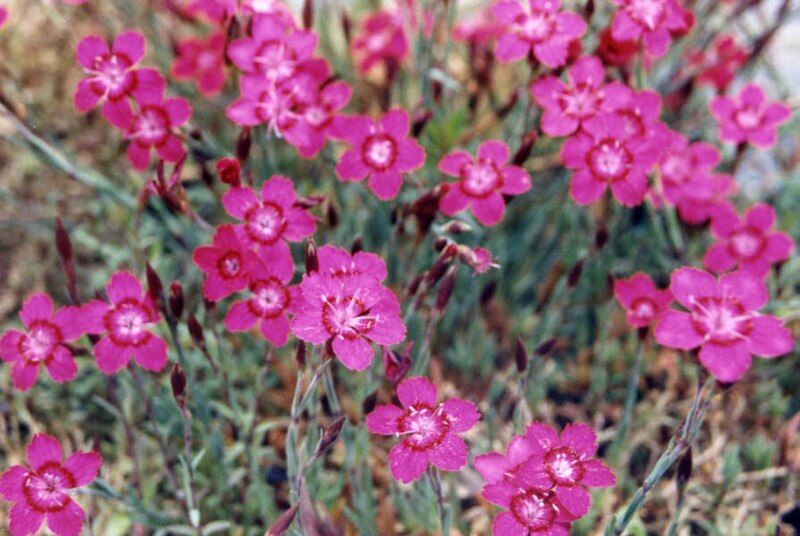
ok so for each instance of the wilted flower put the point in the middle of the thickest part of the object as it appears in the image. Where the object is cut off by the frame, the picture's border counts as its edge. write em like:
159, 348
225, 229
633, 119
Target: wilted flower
747, 243
41, 491
642, 300
482, 182
722, 318
749, 117
42, 342
428, 431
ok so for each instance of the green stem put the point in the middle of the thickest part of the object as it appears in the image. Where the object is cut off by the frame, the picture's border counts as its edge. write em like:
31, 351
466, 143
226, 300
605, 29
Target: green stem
630, 397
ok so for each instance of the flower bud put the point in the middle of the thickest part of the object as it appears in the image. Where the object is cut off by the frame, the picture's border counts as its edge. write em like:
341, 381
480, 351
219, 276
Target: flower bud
230, 171
525, 148
520, 356
243, 144
357, 245
176, 299
283, 522
395, 366
300, 354
154, 287
178, 381
575, 274
546, 347
329, 435
419, 121
196, 331
308, 14
368, 404
446, 290
64, 249
312, 263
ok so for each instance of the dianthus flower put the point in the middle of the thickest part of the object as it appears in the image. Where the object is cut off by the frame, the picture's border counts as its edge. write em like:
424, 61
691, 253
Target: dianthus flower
41, 491
42, 343
642, 300
271, 300
274, 50
540, 27
126, 324
379, 149
349, 312
227, 264
640, 110
605, 154
112, 76
338, 262
381, 40
652, 21
710, 196
153, 127
314, 114
717, 65
267, 7
747, 243
272, 219
201, 60
482, 182
479, 29
749, 117
217, 11
567, 106
722, 318
616, 52
684, 167
427, 430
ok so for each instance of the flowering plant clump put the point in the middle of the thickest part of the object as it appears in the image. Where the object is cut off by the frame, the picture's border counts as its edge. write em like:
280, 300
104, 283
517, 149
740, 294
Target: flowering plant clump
563, 227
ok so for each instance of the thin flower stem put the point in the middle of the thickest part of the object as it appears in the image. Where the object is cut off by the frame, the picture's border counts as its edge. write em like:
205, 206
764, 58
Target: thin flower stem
677, 446
330, 390
441, 500
630, 397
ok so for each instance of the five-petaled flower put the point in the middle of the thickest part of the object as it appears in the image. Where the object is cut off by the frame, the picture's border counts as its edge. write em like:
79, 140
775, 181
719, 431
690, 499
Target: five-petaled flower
42, 490
153, 126
382, 40
642, 300
227, 264
271, 220
750, 117
112, 77
541, 27
684, 168
428, 430
483, 181
748, 243
201, 60
42, 342
126, 323
652, 21
378, 149
722, 318
606, 154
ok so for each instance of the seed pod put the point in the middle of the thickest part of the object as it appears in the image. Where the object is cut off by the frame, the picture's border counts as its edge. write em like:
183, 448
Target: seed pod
312, 263
601, 237
357, 245
347, 28
196, 331
178, 381
546, 347
488, 293
684, 472
331, 215
154, 286
283, 522
395, 365
64, 249
176, 299
419, 122
575, 274
521, 356
446, 289
368, 404
243, 144
229, 170
330, 435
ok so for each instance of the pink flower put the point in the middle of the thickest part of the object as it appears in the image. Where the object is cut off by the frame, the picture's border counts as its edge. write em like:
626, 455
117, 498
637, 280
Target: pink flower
153, 128
217, 11
749, 117
722, 319
531, 511
640, 298
683, 167
42, 343
275, 49
482, 182
605, 154
350, 311
126, 323
747, 243
271, 298
378, 149
639, 109
567, 106
271, 220
614, 52
314, 116
652, 21
227, 264
381, 41
267, 7
479, 29
542, 28
337, 262
3, 15
112, 77
428, 430
230, 171
699, 204
41, 491
717, 65
202, 60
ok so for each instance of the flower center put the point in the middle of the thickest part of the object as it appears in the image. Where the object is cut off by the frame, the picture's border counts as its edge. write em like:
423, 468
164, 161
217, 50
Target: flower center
275, 61
151, 127
480, 178
722, 320
675, 168
265, 222
580, 102
44, 489
110, 73
270, 298
39, 343
230, 265
534, 510
644, 308
564, 466
535, 27
609, 160
346, 316
647, 13
207, 60
379, 152
424, 427
748, 117
127, 323
747, 244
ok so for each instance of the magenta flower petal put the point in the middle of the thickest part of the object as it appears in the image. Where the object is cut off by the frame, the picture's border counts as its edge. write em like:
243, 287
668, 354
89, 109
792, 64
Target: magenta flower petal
122, 286
111, 357
727, 363
395, 122
751, 291
355, 354
24, 375
386, 184
451, 454
36, 307
687, 284
769, 337
384, 419
23, 520
489, 210
152, 355
676, 330
581, 438
239, 317
454, 162
462, 413
492, 466
718, 258
406, 464
62, 366
453, 201
130, 44
11, 483
351, 166
67, 521
416, 390
597, 474
237, 201
275, 330
42, 450
84, 467
584, 189
575, 499
494, 151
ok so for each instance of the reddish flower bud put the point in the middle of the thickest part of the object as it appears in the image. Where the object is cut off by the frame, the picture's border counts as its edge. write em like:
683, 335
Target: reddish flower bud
329, 435
196, 331
308, 14
395, 366
178, 381
446, 289
64, 249
419, 121
243, 144
283, 522
230, 171
520, 356
575, 274
545, 348
312, 263
300, 354
154, 286
176, 299
368, 404
525, 148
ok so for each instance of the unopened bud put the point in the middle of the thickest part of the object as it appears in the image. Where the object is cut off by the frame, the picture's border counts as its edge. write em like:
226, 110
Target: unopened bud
154, 286
368, 404
64, 249
312, 262
283, 522
396, 365
176, 299
684, 471
488, 293
347, 28
230, 171
178, 381
601, 237
357, 245
525, 148
575, 274
446, 289
300, 354
308, 14
331, 215
546, 347
521, 356
456, 227
243, 144
330, 435
196, 331
419, 122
